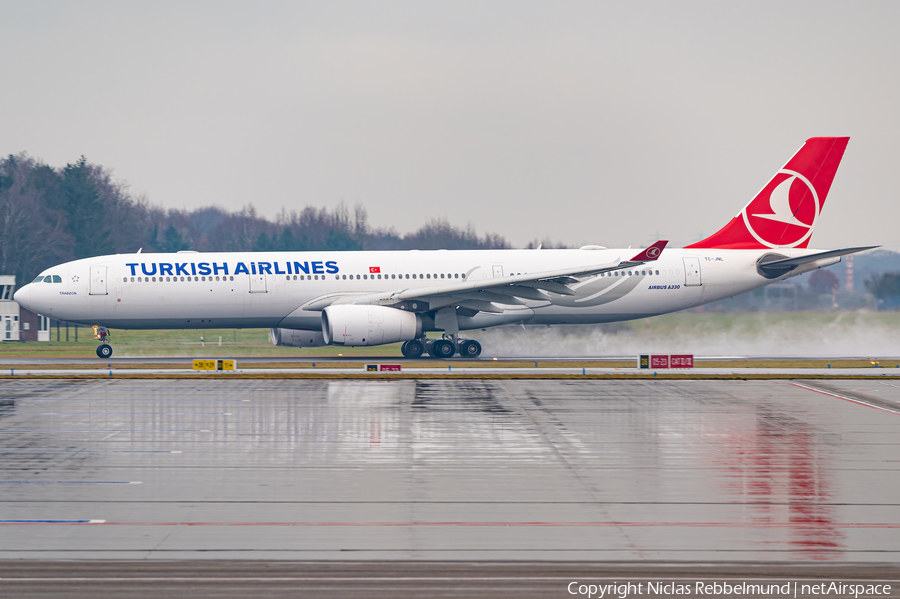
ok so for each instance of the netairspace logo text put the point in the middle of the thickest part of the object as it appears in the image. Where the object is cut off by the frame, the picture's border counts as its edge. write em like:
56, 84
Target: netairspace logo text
720, 589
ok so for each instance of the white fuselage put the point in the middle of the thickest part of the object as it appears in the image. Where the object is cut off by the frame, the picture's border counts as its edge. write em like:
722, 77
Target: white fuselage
269, 289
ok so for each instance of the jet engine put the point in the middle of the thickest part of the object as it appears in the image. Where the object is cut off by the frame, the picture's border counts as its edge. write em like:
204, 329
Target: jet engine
296, 338
368, 325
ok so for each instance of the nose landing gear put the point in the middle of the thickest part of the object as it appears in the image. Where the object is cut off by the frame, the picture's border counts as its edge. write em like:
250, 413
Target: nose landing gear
104, 350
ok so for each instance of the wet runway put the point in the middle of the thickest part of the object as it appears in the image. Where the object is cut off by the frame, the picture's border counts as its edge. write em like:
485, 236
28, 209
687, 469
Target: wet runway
458, 371
450, 469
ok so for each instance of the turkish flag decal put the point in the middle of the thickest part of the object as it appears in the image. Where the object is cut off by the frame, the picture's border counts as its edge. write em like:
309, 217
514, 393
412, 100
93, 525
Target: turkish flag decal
374, 269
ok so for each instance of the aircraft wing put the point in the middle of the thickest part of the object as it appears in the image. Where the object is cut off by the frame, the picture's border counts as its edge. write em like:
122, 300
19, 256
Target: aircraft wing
484, 295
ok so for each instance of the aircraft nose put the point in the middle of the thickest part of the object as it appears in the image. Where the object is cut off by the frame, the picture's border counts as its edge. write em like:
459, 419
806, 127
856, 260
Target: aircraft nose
23, 296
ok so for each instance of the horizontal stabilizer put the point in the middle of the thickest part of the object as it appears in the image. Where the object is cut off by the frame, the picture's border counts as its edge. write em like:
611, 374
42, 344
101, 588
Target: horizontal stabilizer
786, 262
777, 266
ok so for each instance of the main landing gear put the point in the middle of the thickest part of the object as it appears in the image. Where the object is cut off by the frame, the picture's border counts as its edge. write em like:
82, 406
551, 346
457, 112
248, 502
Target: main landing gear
441, 348
104, 350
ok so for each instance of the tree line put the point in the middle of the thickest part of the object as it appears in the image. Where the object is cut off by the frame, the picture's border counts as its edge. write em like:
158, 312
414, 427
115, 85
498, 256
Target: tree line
51, 215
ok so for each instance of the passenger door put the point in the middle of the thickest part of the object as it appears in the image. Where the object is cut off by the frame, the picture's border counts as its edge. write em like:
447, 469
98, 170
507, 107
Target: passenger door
258, 284
692, 276
98, 281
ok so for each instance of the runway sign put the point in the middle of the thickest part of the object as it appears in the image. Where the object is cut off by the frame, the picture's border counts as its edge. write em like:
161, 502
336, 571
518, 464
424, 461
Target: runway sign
681, 361
659, 361
383, 368
215, 365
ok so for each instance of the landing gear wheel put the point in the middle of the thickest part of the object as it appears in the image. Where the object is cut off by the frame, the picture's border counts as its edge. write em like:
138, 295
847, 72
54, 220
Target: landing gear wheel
413, 349
442, 348
469, 349
104, 351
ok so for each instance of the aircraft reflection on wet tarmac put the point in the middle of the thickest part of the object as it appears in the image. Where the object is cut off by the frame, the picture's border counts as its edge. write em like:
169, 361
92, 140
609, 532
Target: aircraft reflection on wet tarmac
449, 469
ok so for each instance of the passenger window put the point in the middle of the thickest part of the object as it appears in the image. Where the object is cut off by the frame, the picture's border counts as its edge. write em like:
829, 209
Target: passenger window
365, 276
414, 276
407, 276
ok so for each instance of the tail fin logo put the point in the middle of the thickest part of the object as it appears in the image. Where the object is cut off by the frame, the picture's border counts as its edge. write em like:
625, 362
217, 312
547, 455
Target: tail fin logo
785, 213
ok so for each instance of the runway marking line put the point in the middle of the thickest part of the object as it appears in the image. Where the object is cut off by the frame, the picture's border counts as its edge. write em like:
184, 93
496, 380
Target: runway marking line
39, 451
791, 525
845, 398
52, 522
70, 482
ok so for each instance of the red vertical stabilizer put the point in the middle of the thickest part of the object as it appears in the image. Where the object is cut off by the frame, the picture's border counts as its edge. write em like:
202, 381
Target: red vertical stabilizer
785, 212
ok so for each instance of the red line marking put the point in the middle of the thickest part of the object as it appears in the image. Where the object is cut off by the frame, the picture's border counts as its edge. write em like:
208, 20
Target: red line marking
857, 402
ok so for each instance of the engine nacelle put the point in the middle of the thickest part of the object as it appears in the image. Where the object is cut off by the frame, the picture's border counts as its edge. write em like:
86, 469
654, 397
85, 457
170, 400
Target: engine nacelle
368, 325
296, 338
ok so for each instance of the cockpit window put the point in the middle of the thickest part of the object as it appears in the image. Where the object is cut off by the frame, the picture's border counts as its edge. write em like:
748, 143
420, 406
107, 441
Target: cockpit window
39, 279
57, 279
48, 279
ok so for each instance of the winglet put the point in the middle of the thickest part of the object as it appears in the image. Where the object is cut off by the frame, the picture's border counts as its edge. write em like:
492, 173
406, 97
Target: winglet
651, 253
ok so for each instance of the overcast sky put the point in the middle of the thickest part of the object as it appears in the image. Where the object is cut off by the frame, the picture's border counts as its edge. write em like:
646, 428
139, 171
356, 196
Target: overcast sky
606, 123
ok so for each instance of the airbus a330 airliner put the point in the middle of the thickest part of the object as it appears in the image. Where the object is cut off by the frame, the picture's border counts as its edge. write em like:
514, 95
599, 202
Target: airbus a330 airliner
311, 299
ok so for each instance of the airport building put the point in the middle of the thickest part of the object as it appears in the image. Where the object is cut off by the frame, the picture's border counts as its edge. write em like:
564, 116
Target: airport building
16, 322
